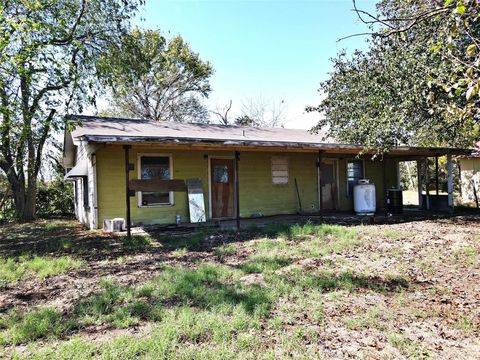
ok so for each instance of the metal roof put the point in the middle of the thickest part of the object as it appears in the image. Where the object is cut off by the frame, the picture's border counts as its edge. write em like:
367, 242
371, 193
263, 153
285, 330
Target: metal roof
121, 130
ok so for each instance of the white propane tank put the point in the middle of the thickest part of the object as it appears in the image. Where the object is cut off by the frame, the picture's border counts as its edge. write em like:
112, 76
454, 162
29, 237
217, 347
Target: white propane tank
364, 200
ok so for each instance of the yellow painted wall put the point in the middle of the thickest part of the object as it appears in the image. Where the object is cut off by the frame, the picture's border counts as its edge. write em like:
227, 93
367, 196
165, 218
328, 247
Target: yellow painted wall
258, 195
470, 174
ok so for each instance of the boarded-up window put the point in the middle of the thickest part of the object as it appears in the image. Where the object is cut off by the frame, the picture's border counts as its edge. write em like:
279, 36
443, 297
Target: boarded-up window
279, 170
155, 167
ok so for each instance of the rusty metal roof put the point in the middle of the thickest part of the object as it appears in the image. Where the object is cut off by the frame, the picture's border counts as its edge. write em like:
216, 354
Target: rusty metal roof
121, 130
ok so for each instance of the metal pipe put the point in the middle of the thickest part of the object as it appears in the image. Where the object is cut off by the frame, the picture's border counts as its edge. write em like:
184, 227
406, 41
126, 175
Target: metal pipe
127, 189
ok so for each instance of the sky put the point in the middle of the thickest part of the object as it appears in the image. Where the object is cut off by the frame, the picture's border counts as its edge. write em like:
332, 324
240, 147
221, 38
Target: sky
271, 50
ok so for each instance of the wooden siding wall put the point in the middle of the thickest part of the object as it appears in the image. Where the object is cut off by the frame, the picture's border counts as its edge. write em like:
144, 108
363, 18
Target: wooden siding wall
258, 194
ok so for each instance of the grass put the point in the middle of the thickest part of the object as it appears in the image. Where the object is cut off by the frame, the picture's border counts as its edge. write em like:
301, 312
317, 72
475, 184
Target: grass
314, 278
408, 347
38, 323
136, 242
13, 270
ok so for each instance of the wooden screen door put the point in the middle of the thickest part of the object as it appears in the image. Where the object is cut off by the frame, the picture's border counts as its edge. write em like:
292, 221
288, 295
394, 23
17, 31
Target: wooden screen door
328, 182
222, 187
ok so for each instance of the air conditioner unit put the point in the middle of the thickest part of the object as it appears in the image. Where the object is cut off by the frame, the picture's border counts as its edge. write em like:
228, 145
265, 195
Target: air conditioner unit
113, 225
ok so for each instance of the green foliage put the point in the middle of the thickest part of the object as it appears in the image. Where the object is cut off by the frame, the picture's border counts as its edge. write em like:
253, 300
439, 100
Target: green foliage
154, 78
48, 55
416, 84
55, 198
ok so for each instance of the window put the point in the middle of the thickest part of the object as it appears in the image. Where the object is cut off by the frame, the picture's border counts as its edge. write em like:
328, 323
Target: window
279, 170
85, 192
354, 173
220, 174
155, 167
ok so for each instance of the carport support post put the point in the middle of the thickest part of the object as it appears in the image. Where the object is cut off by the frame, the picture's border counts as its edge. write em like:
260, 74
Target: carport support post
237, 186
419, 183
427, 181
127, 189
450, 182
436, 175
319, 171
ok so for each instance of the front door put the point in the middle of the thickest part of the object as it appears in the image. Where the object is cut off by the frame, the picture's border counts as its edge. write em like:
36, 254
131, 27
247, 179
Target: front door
222, 187
328, 182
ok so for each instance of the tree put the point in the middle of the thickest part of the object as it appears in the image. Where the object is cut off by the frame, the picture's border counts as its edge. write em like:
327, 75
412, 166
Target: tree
221, 112
153, 78
48, 52
409, 88
261, 112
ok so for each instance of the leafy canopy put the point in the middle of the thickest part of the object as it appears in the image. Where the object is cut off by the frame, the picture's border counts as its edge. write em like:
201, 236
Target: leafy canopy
155, 78
48, 55
416, 85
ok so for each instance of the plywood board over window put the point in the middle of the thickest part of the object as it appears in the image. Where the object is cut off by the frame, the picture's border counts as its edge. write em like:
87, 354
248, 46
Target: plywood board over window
279, 170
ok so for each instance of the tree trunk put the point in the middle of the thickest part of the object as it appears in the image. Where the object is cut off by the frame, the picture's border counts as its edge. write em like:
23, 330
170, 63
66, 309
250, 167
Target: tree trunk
24, 199
30, 202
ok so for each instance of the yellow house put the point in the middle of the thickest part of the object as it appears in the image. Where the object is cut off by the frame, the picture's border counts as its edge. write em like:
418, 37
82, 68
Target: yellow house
470, 176
238, 172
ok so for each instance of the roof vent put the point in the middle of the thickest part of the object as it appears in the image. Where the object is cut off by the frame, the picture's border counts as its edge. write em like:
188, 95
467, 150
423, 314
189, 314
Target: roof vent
243, 133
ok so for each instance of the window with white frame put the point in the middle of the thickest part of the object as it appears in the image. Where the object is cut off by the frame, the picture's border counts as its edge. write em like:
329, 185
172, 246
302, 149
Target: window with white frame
279, 170
155, 167
354, 173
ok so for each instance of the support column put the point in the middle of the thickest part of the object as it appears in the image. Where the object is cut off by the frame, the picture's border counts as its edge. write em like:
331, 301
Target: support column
319, 173
450, 182
436, 175
427, 183
237, 187
127, 188
419, 183
385, 191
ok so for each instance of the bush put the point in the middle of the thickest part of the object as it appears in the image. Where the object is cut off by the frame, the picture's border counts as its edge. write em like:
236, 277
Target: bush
55, 198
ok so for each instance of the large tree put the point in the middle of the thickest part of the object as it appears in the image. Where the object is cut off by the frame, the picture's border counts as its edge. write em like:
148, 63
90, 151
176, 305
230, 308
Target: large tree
154, 78
417, 84
48, 53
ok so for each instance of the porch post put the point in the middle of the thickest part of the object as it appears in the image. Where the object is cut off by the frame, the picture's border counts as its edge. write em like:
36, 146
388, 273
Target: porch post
237, 201
427, 181
419, 183
385, 191
450, 181
127, 189
319, 172
436, 175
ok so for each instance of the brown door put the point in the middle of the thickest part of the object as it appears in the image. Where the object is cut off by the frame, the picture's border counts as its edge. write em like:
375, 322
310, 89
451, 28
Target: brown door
328, 181
223, 179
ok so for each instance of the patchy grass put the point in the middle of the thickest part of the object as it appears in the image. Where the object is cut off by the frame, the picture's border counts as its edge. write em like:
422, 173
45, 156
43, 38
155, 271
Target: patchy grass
410, 348
136, 242
282, 291
13, 270
39, 323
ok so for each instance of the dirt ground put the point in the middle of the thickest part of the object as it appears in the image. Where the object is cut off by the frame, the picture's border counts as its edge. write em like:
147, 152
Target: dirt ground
435, 264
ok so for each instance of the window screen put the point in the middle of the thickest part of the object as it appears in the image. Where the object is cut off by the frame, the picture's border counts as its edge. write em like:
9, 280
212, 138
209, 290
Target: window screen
279, 170
354, 173
155, 167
